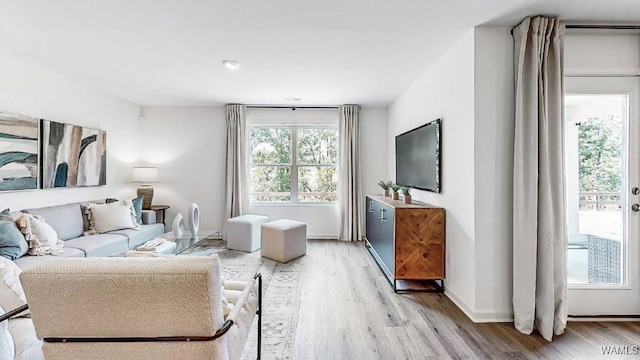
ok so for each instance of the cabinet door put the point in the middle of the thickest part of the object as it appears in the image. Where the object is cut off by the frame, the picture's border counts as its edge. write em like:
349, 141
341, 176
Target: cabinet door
373, 224
386, 249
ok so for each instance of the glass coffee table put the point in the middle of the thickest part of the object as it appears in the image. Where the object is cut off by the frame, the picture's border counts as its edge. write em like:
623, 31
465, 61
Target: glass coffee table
187, 241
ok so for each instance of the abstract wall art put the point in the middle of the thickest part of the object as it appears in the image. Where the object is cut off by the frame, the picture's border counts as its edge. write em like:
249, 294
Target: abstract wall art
18, 152
73, 155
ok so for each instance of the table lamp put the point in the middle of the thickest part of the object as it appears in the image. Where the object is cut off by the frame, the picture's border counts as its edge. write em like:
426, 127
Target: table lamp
145, 176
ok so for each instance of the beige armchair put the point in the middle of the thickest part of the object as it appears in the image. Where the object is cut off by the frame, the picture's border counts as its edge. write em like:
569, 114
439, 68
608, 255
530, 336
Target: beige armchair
138, 308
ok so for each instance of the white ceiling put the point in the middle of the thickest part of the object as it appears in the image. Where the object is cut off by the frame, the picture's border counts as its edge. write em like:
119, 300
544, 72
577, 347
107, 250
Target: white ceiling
169, 52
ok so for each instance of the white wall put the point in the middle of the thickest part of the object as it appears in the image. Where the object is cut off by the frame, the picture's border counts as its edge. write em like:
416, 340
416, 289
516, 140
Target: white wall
493, 156
374, 148
188, 146
446, 91
30, 90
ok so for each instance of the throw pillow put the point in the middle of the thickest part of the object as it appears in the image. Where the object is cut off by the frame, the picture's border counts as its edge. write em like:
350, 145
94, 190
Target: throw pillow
109, 217
12, 243
6, 215
137, 206
7, 347
42, 238
85, 218
11, 292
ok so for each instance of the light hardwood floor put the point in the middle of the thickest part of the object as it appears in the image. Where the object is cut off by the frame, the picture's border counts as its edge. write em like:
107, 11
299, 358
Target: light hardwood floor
349, 311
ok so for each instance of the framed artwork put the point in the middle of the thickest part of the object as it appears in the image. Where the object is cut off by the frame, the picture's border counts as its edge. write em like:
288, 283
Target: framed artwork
73, 155
18, 152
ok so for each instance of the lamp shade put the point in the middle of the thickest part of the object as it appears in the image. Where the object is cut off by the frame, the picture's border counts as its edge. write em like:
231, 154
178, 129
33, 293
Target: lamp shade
145, 175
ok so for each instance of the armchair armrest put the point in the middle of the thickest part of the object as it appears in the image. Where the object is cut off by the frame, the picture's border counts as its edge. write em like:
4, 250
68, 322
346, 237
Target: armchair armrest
148, 217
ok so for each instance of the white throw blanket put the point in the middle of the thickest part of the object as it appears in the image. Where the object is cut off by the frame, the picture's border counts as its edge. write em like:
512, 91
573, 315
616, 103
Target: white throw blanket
231, 291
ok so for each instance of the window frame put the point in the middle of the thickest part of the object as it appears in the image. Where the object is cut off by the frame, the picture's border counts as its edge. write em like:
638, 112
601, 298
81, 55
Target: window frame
294, 163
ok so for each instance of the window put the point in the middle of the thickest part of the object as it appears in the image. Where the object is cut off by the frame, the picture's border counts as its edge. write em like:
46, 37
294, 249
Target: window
293, 164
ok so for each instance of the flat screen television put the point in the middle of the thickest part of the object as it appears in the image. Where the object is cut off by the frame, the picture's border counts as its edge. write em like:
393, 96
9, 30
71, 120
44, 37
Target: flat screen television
418, 157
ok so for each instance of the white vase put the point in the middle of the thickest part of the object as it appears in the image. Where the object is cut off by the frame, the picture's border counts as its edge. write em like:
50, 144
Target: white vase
178, 226
194, 218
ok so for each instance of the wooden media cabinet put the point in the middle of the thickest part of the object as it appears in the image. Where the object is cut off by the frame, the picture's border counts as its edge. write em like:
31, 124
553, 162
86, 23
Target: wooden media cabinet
408, 242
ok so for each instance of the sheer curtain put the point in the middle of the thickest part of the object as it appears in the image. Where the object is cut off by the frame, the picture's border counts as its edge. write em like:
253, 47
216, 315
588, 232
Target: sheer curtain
236, 162
539, 212
349, 181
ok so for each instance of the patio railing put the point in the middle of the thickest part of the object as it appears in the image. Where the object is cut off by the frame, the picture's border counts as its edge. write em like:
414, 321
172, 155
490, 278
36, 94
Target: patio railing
600, 200
302, 196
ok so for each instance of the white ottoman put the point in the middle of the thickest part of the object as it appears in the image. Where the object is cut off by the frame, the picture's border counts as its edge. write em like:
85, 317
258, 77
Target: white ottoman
284, 240
243, 232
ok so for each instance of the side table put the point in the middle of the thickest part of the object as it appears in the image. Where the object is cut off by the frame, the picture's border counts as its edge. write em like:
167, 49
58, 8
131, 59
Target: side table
160, 212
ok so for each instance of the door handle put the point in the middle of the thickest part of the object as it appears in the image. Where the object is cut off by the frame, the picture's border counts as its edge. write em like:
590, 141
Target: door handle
370, 207
635, 207
382, 215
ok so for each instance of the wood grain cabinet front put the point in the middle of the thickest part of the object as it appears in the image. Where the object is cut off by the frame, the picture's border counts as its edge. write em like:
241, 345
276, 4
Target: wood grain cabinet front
407, 241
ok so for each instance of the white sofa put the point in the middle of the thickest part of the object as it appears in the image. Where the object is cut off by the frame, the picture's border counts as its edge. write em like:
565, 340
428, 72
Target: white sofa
68, 222
118, 299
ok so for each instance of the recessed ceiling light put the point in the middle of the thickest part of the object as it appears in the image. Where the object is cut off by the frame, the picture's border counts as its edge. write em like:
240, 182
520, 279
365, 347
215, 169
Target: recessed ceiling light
231, 64
293, 98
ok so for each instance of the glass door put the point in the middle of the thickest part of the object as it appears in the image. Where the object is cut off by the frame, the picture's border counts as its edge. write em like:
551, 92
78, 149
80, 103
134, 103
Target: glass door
603, 189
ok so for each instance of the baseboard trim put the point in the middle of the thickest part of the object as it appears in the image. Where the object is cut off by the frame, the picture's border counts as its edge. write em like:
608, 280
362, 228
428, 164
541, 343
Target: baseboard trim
322, 237
459, 303
493, 317
479, 316
600, 318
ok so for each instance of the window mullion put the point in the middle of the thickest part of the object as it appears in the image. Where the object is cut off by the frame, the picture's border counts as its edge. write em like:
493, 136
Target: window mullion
294, 164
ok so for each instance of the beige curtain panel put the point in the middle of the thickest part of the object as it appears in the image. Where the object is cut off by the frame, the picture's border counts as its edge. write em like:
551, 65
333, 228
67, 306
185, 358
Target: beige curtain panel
350, 201
539, 213
236, 163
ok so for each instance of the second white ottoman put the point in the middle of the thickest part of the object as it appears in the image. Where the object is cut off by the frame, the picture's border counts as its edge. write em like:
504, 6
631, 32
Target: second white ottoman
284, 240
243, 232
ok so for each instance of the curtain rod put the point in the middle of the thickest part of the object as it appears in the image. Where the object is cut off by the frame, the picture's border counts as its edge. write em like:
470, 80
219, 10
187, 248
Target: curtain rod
290, 107
601, 27
609, 27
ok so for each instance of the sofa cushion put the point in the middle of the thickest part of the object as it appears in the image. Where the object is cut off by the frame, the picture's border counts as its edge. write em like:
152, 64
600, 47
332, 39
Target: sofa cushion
139, 237
12, 242
100, 244
66, 219
26, 262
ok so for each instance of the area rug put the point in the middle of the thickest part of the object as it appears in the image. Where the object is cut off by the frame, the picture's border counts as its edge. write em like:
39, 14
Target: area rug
281, 287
